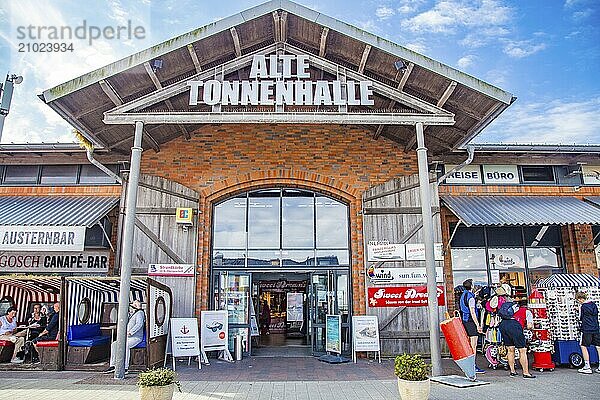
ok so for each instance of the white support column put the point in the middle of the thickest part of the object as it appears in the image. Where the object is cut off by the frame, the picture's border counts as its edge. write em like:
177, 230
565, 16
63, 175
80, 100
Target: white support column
127, 250
425, 191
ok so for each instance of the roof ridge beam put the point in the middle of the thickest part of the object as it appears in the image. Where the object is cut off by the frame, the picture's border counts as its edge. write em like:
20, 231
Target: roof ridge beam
363, 60
447, 93
194, 57
283, 26
236, 42
323, 43
405, 75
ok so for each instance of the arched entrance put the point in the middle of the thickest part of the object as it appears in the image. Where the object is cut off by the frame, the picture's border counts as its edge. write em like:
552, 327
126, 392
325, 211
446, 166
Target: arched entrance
280, 262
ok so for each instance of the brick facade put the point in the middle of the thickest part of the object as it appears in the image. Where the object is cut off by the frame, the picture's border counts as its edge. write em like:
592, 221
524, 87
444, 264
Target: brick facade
340, 161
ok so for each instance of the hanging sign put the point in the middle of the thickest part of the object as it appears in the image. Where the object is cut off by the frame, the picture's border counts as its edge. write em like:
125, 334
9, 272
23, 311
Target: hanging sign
85, 262
591, 174
395, 296
501, 174
402, 275
171, 269
416, 252
469, 174
42, 238
271, 84
295, 307
333, 333
365, 333
385, 251
184, 337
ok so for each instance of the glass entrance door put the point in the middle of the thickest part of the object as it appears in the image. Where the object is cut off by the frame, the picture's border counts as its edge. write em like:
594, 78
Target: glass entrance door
232, 293
328, 294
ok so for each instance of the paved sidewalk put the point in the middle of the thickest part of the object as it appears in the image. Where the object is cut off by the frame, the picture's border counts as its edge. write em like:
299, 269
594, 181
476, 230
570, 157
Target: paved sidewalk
227, 382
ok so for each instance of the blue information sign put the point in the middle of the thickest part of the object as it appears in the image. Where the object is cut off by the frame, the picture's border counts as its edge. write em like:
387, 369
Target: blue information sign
333, 333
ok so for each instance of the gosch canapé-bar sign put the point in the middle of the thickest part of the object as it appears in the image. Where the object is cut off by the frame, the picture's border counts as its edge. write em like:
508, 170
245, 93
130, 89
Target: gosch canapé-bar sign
280, 80
395, 296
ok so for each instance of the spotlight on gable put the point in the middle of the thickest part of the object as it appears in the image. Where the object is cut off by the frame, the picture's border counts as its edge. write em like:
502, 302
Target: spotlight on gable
157, 64
400, 66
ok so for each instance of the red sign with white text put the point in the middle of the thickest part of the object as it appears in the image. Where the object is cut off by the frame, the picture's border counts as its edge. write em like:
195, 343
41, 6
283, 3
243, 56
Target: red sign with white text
408, 296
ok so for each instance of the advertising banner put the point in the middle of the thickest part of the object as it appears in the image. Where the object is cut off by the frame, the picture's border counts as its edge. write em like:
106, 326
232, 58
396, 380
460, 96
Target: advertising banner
184, 337
171, 270
385, 251
85, 262
42, 238
365, 331
402, 275
213, 330
295, 307
416, 252
395, 296
333, 333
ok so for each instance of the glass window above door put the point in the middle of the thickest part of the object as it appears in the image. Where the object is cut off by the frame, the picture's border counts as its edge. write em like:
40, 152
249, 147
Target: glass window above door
280, 227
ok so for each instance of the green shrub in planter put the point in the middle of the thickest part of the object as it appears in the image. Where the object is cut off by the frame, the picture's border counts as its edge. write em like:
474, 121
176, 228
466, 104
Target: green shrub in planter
411, 367
158, 377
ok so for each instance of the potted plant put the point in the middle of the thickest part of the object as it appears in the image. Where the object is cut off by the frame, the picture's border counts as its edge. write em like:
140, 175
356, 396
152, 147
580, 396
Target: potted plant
158, 384
413, 377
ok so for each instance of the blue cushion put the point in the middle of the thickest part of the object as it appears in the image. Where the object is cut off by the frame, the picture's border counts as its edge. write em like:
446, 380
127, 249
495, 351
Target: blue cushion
76, 332
142, 344
89, 342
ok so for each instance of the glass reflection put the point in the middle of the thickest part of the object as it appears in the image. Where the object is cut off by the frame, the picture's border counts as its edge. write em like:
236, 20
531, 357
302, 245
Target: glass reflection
263, 219
297, 219
298, 257
231, 258
263, 258
230, 224
332, 257
332, 223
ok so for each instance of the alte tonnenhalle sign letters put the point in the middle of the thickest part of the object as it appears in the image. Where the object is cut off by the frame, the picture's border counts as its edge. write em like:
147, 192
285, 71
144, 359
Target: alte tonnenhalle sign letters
272, 81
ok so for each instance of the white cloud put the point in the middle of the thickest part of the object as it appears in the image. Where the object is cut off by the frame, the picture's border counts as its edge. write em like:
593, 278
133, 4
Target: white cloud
448, 15
409, 6
522, 48
466, 61
384, 12
552, 122
483, 37
419, 47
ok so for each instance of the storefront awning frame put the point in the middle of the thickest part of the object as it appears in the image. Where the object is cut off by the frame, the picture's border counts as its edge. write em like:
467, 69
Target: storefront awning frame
521, 210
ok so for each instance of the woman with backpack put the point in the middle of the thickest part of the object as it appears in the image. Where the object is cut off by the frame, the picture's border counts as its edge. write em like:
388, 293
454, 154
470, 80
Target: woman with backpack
512, 334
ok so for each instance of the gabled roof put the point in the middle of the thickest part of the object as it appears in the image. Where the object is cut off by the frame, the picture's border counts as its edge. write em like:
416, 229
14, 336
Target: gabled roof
83, 101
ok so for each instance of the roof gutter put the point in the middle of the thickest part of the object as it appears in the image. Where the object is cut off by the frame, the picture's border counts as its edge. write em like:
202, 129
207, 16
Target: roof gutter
471, 151
102, 167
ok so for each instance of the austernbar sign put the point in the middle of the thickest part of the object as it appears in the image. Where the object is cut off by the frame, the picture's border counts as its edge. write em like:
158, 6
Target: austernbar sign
273, 82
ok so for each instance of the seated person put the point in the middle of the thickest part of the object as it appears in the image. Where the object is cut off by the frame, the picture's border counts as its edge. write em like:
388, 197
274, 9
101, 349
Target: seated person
37, 323
51, 331
8, 331
135, 334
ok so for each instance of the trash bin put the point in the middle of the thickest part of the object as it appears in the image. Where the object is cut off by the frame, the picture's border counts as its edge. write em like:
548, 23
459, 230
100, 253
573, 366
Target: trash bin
238, 347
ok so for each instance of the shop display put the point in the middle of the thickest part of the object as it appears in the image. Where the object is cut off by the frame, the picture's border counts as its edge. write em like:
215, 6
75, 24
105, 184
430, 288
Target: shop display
541, 345
563, 314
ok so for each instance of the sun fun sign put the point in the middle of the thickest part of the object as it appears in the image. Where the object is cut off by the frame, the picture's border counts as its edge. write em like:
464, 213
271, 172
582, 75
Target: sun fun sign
280, 80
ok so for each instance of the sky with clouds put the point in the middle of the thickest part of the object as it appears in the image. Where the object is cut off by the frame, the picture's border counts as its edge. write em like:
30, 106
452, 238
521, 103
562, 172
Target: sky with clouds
545, 52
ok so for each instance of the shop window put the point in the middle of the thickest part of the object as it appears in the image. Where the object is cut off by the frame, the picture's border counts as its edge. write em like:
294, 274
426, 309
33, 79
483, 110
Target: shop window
332, 223
59, 174
596, 233
230, 224
297, 257
332, 257
95, 237
264, 258
542, 262
537, 173
542, 236
568, 174
467, 236
229, 258
21, 174
263, 219
507, 236
510, 266
92, 175
1, 173
469, 264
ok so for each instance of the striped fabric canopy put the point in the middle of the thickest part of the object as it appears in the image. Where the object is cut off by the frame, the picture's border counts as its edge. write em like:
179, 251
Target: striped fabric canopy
569, 280
26, 290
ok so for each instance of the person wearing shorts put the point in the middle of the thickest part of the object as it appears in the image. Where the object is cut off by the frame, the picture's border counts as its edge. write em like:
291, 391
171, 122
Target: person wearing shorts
590, 331
470, 317
513, 338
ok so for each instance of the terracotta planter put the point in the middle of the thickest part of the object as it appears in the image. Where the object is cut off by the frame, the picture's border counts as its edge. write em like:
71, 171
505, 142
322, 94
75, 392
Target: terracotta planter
157, 392
414, 390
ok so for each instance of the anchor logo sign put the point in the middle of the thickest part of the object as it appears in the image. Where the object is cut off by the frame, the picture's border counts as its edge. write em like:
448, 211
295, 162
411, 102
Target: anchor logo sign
184, 329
